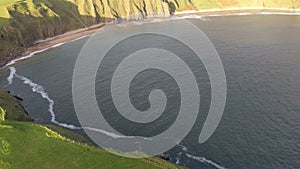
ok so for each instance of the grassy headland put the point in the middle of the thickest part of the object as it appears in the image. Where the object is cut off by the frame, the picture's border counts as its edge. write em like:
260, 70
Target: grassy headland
26, 144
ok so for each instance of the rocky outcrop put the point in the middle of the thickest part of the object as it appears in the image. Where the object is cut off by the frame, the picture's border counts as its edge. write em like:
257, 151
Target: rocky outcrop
9, 54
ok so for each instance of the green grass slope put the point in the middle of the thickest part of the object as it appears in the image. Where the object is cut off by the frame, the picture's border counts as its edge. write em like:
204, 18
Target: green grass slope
28, 145
2, 114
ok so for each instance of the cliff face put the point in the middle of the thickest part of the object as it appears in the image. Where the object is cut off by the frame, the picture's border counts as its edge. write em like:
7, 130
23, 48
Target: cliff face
22, 22
26, 21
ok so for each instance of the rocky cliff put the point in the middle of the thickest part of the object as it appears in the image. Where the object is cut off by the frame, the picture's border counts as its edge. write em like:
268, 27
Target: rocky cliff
22, 22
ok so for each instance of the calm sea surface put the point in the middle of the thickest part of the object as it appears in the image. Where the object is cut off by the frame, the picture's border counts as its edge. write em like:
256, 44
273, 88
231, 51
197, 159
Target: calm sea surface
260, 127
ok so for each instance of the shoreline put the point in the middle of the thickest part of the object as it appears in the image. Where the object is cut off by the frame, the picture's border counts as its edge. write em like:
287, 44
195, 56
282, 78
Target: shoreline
52, 42
63, 38
239, 11
70, 36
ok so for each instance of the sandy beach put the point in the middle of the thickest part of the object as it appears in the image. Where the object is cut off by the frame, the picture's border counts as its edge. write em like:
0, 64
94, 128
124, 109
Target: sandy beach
71, 35
68, 36
42, 45
239, 11
51, 42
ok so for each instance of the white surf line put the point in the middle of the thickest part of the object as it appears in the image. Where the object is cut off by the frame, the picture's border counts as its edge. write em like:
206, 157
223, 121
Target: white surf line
275, 10
258, 13
113, 135
190, 14
39, 89
201, 159
11, 75
36, 88
14, 61
204, 160
178, 158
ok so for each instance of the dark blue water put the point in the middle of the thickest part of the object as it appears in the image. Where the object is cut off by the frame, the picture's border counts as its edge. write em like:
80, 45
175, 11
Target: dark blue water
260, 127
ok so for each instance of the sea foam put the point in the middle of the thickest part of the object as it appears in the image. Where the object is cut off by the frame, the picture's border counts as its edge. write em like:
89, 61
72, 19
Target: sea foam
36, 88
204, 160
11, 75
199, 159
14, 61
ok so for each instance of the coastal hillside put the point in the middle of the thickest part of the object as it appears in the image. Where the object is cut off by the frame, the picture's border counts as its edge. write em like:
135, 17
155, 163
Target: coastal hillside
26, 144
23, 22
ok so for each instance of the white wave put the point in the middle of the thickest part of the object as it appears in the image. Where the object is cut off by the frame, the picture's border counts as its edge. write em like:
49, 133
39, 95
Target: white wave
197, 15
11, 75
204, 160
59, 44
201, 159
183, 147
81, 37
191, 17
114, 135
178, 158
68, 126
279, 13
36, 88
244, 14
39, 89
255, 13
194, 16
14, 61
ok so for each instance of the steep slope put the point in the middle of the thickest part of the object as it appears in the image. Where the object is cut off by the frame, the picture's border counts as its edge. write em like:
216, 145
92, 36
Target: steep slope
25, 21
12, 108
25, 144
29, 145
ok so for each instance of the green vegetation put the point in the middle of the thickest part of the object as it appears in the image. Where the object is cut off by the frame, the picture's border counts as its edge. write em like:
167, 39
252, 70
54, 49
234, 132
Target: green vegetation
68, 134
2, 114
13, 108
47, 18
28, 145
25, 144
7, 2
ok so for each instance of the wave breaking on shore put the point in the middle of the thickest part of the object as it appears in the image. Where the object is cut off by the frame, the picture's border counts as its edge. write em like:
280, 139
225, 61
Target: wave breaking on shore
14, 61
36, 88
193, 14
203, 160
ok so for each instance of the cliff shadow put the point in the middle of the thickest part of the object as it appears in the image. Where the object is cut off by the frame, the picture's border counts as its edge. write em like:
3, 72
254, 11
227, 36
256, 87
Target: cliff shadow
24, 29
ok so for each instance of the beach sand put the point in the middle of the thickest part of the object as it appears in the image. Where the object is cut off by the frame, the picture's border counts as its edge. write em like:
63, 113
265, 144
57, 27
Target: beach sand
68, 36
238, 11
42, 45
